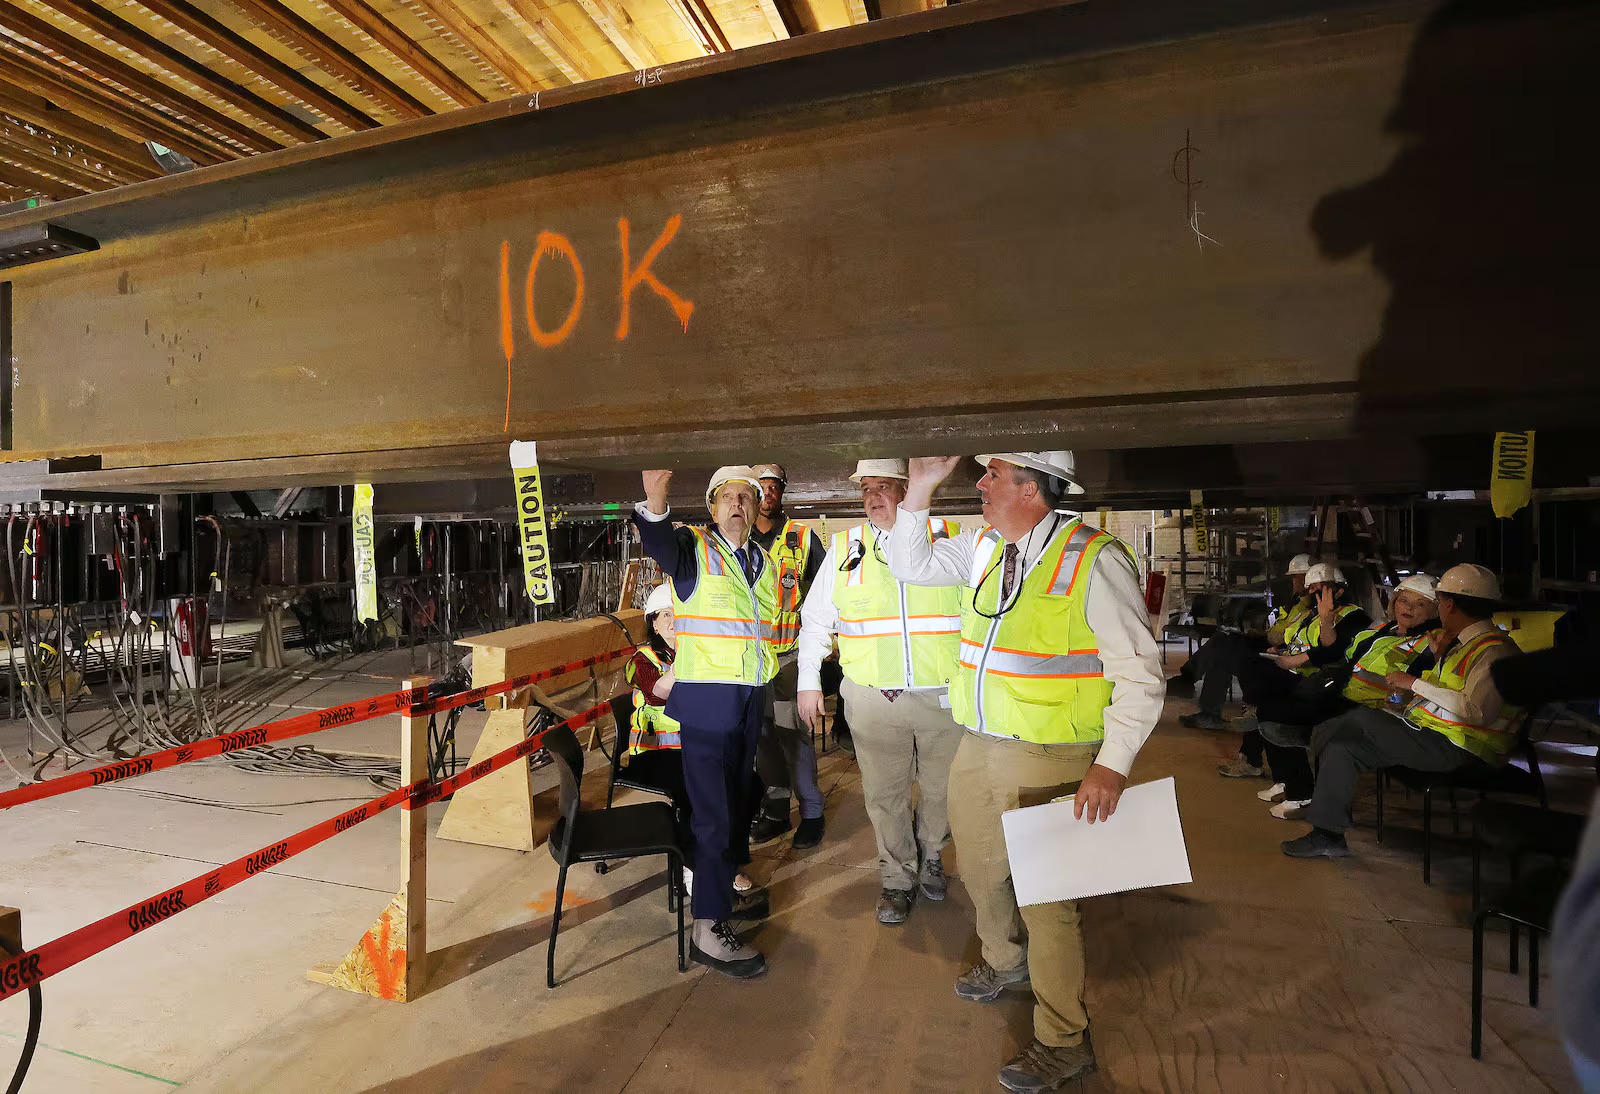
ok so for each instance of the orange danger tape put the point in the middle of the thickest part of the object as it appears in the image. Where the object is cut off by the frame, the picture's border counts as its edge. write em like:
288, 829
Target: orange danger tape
21, 973
410, 701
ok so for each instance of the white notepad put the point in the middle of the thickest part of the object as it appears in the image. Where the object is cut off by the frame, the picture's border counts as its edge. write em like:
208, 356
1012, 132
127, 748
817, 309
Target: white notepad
1057, 857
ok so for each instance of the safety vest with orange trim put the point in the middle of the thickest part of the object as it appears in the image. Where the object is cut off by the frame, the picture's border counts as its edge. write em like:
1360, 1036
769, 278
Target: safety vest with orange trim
651, 728
1033, 672
1489, 743
1308, 635
1386, 651
725, 628
791, 550
892, 635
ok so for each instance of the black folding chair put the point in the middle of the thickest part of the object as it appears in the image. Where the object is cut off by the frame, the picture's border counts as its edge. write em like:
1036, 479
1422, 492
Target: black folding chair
629, 831
622, 713
1530, 904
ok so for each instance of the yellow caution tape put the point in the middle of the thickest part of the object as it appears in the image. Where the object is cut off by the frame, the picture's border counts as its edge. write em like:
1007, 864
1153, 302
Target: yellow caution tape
1511, 481
366, 556
530, 515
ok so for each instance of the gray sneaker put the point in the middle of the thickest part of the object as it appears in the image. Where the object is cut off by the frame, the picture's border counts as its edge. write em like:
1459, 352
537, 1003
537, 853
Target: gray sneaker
1239, 768
1039, 1067
932, 881
983, 984
894, 905
716, 946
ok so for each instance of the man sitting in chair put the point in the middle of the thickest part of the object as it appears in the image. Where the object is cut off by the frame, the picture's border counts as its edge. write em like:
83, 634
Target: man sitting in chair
1450, 717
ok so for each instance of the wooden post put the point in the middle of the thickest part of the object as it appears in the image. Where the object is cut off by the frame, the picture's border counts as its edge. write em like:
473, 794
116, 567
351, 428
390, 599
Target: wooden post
391, 959
11, 928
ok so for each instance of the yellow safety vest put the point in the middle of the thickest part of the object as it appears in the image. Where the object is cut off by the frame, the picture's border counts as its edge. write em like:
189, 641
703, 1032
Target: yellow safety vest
1293, 618
725, 629
1489, 743
651, 727
791, 562
1389, 652
1034, 673
893, 635
1307, 635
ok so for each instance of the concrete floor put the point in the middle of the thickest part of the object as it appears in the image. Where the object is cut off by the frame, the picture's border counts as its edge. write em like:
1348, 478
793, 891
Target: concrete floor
1265, 974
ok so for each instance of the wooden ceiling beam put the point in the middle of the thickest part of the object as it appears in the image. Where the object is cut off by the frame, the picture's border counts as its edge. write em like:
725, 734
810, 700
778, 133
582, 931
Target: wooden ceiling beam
246, 54
47, 143
44, 164
25, 180
703, 11
108, 68
407, 51
132, 37
39, 111
698, 32
618, 27
304, 38
89, 99
527, 20
460, 25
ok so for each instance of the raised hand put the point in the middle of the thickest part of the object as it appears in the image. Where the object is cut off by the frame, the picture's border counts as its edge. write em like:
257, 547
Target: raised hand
655, 490
927, 472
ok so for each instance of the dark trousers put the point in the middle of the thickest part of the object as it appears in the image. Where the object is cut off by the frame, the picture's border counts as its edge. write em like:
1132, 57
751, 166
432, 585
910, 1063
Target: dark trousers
1261, 682
1301, 707
718, 773
1363, 740
1223, 657
1292, 768
662, 768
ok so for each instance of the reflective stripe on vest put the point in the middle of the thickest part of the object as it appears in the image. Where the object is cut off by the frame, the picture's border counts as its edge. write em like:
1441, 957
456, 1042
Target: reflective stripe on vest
791, 562
1489, 743
651, 727
1309, 636
892, 635
725, 628
1034, 672
1384, 653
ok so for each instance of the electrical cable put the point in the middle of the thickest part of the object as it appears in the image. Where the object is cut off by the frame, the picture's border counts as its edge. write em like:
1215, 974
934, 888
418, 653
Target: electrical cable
30, 1041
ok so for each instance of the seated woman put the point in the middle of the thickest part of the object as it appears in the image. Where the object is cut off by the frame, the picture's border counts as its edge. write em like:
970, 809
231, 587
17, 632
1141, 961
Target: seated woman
655, 757
1346, 676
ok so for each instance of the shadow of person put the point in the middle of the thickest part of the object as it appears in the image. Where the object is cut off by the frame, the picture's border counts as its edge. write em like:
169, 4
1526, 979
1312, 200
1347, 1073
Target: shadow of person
1484, 223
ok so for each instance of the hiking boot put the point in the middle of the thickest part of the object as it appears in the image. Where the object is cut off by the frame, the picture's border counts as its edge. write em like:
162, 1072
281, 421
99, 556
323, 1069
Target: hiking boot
983, 984
768, 827
932, 881
1239, 768
894, 905
1039, 1067
752, 905
1317, 843
1271, 793
716, 946
1290, 810
809, 834
1203, 719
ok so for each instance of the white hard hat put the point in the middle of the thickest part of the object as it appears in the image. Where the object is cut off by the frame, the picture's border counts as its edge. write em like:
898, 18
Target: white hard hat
1470, 579
1421, 584
1325, 573
1059, 463
1299, 564
737, 472
771, 471
660, 599
883, 469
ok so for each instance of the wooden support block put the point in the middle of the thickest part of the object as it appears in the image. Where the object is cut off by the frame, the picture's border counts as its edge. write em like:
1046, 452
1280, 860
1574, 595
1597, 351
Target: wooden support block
11, 928
522, 650
391, 959
497, 810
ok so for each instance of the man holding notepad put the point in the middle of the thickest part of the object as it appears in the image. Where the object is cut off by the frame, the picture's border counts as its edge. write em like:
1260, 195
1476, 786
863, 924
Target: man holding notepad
1058, 684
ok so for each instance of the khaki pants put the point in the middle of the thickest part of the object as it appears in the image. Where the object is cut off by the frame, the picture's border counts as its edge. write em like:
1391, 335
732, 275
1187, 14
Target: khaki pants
991, 775
911, 740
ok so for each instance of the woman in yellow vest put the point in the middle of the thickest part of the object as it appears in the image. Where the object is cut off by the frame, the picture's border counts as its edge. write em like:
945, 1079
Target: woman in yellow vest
1346, 677
1448, 718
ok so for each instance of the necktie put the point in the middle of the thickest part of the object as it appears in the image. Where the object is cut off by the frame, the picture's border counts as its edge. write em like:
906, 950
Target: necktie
1009, 574
744, 564
892, 694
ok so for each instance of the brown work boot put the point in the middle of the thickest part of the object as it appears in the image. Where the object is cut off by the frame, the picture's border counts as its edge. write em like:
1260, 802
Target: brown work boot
983, 984
1040, 1067
894, 905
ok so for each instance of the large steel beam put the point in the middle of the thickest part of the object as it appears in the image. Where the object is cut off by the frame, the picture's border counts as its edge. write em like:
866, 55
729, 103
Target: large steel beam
1053, 226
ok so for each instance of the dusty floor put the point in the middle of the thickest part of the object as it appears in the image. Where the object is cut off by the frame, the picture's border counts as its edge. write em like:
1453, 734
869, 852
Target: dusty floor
1265, 974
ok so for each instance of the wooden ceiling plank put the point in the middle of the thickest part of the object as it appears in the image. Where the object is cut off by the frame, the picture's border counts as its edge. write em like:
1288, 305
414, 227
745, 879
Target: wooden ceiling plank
703, 10
90, 100
42, 163
59, 41
618, 29
147, 45
48, 143
776, 23
332, 57
526, 20
111, 146
27, 181
245, 53
404, 49
691, 22
450, 16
